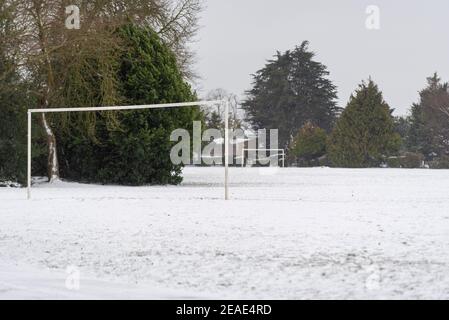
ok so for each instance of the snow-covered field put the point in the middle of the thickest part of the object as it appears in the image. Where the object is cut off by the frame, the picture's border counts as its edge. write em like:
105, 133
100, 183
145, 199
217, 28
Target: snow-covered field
295, 234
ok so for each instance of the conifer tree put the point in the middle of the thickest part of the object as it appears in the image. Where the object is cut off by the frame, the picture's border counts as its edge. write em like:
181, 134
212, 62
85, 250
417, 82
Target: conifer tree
288, 92
365, 133
429, 125
137, 150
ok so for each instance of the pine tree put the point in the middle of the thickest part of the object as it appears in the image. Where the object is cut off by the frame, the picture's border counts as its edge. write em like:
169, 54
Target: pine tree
429, 130
419, 136
288, 92
365, 133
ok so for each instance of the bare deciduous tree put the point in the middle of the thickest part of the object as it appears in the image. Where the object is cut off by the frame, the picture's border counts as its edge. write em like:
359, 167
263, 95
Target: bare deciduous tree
236, 114
176, 21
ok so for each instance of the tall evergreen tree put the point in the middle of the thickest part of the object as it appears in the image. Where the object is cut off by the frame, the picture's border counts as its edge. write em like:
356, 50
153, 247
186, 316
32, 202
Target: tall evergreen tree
429, 125
419, 136
289, 91
365, 133
137, 150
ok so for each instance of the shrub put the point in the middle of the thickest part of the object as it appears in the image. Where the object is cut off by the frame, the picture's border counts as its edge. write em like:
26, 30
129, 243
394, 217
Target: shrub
309, 145
408, 160
440, 163
412, 160
393, 162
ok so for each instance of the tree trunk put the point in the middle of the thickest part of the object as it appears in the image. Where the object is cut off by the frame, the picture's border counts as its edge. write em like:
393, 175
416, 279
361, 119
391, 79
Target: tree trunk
52, 162
48, 87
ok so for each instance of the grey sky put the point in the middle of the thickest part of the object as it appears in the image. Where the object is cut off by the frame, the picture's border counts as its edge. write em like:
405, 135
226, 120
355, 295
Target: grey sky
238, 36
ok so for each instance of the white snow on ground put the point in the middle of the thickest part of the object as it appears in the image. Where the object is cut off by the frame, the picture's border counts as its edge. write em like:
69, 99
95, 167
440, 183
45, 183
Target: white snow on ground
18, 282
296, 234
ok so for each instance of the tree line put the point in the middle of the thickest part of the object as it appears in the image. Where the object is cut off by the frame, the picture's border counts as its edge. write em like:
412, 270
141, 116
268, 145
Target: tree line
293, 94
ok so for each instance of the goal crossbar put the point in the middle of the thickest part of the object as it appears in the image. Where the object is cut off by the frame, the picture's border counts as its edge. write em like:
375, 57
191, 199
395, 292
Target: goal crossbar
135, 107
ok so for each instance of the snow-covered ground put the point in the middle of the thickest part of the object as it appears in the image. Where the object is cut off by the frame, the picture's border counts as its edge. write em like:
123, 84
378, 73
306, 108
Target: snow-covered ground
292, 233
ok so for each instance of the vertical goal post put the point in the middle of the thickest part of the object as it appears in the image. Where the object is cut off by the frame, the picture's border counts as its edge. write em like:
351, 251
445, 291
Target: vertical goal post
136, 107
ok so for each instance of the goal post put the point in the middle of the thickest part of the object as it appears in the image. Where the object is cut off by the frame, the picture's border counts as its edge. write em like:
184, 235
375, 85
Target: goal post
135, 107
280, 152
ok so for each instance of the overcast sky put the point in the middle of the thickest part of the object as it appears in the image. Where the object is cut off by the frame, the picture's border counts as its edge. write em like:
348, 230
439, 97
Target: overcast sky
238, 36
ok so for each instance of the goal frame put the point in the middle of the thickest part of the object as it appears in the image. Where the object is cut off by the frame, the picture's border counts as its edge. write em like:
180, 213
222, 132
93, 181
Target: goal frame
281, 153
134, 107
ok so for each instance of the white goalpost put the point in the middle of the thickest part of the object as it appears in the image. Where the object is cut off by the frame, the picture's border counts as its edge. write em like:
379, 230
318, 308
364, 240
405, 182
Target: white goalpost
137, 107
281, 152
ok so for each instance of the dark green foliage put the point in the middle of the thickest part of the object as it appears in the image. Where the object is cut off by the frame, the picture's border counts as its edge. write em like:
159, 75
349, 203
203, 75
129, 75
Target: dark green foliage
136, 151
393, 162
365, 134
14, 101
429, 125
13, 117
441, 162
288, 92
419, 138
402, 127
309, 145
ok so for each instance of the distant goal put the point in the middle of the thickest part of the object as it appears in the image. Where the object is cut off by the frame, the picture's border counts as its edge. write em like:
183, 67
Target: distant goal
277, 153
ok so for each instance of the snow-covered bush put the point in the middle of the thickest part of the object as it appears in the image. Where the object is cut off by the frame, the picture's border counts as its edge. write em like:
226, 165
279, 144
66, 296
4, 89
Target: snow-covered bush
9, 184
